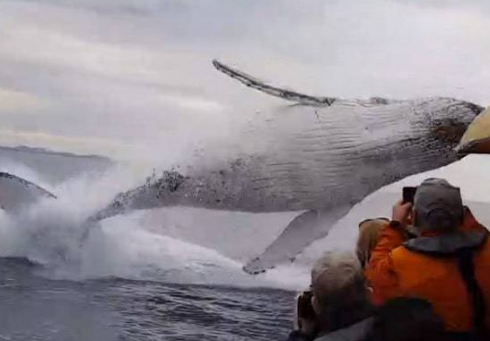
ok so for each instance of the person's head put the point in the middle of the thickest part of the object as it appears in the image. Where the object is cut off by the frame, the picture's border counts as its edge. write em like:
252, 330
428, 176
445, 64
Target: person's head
437, 206
407, 319
340, 295
368, 238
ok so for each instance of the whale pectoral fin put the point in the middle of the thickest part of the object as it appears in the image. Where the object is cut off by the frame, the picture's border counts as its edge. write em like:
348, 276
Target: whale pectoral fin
301, 232
16, 192
259, 85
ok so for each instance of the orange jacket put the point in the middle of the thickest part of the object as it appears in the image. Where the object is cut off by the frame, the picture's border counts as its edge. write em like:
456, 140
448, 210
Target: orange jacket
423, 268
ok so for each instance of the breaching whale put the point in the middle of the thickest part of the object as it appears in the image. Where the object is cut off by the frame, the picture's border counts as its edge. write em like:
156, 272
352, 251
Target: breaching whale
319, 156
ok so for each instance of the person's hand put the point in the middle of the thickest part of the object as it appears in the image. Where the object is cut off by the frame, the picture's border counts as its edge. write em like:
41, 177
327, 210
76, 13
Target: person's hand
402, 212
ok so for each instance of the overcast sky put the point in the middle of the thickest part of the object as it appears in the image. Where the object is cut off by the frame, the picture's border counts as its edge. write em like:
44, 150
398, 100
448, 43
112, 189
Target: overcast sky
126, 78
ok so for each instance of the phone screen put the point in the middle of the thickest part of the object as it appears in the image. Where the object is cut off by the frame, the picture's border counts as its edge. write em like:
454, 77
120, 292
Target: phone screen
409, 194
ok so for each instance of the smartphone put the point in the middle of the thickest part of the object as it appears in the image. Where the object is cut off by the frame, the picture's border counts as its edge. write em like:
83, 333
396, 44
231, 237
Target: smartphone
305, 308
409, 194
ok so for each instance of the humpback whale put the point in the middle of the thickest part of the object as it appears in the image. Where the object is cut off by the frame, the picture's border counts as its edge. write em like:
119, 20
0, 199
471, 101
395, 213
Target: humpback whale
318, 156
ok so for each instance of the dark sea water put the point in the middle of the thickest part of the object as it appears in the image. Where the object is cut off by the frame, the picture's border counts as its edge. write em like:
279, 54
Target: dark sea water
33, 307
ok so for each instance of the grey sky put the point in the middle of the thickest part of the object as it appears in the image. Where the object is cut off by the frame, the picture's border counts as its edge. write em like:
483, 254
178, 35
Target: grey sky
127, 78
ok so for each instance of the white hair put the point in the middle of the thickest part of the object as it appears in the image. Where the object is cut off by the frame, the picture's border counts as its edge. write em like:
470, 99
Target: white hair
339, 290
334, 271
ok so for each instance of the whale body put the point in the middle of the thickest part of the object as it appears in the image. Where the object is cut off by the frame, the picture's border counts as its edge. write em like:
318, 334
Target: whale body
320, 157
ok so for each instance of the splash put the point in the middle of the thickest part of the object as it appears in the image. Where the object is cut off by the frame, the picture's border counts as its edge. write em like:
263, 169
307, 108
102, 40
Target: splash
178, 245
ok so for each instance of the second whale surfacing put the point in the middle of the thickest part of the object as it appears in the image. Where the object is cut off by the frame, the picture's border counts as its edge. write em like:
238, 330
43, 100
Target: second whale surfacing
320, 156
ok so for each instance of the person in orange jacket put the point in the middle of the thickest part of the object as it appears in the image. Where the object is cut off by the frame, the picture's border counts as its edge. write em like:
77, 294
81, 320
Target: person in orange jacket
368, 238
447, 262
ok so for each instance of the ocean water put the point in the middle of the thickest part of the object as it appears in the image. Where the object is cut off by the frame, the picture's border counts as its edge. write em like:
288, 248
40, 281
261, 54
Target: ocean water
33, 307
130, 282
166, 274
